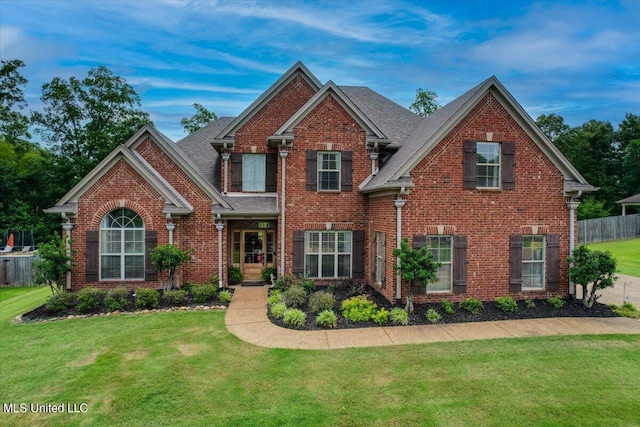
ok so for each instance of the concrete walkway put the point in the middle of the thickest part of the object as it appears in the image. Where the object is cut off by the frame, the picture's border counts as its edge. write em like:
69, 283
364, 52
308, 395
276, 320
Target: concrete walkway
247, 319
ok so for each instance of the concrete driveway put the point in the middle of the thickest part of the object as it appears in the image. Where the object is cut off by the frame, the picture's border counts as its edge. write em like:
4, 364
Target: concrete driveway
626, 288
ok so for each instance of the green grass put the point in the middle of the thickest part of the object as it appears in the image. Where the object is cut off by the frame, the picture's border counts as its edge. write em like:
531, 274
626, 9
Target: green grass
626, 252
15, 301
184, 368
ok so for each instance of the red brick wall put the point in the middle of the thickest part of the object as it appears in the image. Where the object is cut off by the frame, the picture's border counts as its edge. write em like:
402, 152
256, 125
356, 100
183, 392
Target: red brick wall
383, 217
488, 217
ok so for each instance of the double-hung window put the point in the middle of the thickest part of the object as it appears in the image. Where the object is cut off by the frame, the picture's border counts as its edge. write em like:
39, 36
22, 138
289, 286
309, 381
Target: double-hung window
442, 249
488, 164
328, 171
253, 172
533, 257
328, 253
122, 236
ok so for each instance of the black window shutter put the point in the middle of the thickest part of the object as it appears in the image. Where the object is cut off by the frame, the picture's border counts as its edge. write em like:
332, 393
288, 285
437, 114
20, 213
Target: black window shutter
515, 263
312, 170
236, 171
470, 180
358, 254
150, 243
459, 264
419, 241
553, 262
298, 252
92, 256
272, 173
508, 165
346, 171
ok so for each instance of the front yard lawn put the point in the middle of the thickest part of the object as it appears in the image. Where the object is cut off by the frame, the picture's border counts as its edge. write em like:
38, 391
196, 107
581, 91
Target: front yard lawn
184, 368
626, 252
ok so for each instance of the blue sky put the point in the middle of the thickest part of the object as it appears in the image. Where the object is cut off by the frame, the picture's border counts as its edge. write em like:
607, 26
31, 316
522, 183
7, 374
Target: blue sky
578, 59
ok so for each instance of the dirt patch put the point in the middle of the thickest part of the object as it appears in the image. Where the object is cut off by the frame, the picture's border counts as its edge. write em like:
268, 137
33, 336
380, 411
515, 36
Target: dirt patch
86, 361
135, 355
189, 349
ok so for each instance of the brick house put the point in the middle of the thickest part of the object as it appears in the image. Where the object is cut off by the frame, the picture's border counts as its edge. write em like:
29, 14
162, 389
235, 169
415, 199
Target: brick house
324, 181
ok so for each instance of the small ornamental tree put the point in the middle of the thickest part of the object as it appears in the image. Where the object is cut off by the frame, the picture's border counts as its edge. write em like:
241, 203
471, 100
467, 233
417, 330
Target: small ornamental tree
169, 257
415, 264
52, 263
595, 268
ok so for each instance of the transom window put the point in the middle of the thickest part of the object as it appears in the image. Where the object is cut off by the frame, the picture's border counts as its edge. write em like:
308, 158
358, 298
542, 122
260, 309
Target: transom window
442, 250
254, 172
327, 253
329, 171
122, 245
488, 164
533, 262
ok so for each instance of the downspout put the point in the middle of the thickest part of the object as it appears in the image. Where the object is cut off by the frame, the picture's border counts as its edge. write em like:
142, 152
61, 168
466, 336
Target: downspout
225, 158
573, 205
283, 156
399, 203
67, 226
219, 227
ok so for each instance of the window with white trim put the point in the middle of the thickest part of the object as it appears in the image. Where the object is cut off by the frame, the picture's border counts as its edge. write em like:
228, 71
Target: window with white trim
122, 235
442, 249
328, 171
327, 253
533, 257
488, 164
254, 172
381, 257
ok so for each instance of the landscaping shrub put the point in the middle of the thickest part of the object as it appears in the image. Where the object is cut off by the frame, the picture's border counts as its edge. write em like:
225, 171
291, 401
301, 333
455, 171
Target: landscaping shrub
90, 299
447, 306
202, 292
358, 308
284, 282
399, 316
267, 273
214, 280
556, 302
235, 275
117, 299
627, 310
327, 319
433, 316
274, 297
321, 301
294, 318
225, 296
506, 303
381, 317
529, 303
472, 305
278, 309
146, 298
307, 285
61, 302
294, 297
175, 296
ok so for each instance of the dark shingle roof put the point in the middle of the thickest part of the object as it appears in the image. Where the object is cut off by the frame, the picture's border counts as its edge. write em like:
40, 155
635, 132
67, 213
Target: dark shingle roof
632, 199
198, 148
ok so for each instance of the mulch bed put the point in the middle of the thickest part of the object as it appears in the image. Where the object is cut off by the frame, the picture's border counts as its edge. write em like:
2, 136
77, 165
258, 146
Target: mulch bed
491, 312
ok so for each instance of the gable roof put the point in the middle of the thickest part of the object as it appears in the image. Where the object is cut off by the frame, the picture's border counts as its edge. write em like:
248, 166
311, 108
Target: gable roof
635, 199
435, 127
330, 89
226, 135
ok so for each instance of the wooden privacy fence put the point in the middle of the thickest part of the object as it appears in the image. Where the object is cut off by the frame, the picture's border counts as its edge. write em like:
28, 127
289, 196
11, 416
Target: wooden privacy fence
609, 228
17, 270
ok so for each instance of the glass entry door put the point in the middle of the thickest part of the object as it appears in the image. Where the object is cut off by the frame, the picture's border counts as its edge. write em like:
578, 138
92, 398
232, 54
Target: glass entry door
256, 252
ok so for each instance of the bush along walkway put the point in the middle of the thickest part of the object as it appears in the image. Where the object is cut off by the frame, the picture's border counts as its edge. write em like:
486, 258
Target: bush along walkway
247, 318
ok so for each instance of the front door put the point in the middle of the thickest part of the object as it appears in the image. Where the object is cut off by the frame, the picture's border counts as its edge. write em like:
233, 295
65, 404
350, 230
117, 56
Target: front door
256, 252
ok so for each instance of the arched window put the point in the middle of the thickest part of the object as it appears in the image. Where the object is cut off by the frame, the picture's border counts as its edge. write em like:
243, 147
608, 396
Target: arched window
122, 245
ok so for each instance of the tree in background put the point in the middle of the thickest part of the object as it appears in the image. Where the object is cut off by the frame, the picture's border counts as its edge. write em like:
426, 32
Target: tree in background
200, 119
426, 102
631, 166
552, 125
84, 120
14, 126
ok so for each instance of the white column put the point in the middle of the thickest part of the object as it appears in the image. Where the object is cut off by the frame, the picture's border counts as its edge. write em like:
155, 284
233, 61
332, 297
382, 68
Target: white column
170, 226
219, 227
398, 203
283, 156
68, 226
225, 158
573, 205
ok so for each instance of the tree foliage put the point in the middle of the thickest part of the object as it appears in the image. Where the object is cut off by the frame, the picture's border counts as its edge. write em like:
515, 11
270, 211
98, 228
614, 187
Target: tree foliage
426, 102
14, 126
52, 264
200, 119
593, 270
552, 125
168, 258
415, 264
84, 120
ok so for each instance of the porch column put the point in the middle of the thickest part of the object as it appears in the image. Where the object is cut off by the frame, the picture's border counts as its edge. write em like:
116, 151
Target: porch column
219, 227
283, 156
573, 205
68, 226
398, 203
225, 157
170, 226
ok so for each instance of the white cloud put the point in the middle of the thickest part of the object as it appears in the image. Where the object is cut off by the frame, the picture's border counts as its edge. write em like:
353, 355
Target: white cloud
182, 85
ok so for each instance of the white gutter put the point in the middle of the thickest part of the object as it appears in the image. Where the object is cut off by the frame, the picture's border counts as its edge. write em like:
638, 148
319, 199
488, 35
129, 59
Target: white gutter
67, 226
573, 205
219, 227
283, 156
398, 203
